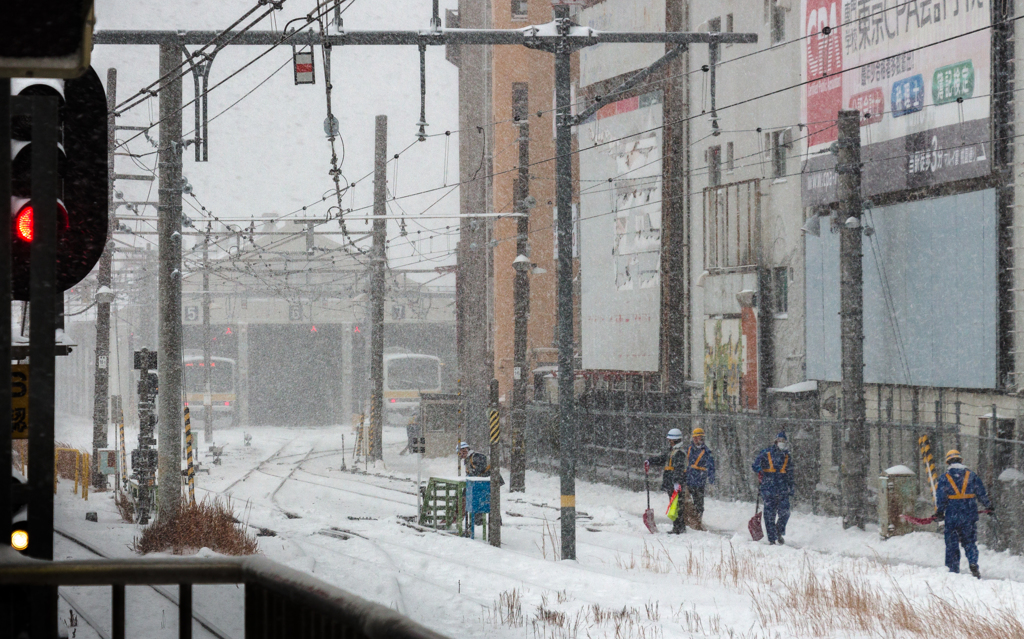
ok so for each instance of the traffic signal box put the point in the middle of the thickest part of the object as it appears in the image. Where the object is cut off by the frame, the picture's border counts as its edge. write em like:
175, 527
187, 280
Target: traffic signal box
82, 199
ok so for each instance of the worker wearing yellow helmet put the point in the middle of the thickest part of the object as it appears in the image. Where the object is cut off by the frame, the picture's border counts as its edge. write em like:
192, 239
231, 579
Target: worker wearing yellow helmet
700, 471
956, 501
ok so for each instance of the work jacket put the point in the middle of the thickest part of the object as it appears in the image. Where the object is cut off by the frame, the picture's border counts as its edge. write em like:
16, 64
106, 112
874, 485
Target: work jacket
775, 468
675, 467
958, 494
700, 465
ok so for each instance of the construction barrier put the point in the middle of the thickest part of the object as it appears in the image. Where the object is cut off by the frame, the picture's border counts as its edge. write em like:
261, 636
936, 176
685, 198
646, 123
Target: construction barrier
81, 469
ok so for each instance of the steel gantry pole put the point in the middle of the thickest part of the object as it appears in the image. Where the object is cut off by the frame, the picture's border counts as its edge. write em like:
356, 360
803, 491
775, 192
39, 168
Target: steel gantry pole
169, 231
378, 285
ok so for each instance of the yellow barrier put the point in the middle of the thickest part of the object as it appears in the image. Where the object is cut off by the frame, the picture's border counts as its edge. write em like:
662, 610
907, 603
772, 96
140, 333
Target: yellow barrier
81, 470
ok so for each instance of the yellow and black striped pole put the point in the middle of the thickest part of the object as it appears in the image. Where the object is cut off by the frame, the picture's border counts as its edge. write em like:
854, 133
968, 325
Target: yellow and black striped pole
494, 518
188, 449
928, 459
124, 456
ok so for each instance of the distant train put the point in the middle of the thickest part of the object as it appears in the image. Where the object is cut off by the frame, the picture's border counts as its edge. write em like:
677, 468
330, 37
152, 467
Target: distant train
406, 377
223, 381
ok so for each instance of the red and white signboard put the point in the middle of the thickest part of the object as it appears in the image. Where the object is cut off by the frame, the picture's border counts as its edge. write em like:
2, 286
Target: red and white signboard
304, 73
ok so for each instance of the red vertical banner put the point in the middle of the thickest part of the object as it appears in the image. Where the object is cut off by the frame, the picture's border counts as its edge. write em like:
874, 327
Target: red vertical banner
824, 69
748, 327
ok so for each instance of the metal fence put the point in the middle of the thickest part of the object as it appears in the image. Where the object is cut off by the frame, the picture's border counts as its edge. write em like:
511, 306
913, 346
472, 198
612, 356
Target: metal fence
613, 441
279, 602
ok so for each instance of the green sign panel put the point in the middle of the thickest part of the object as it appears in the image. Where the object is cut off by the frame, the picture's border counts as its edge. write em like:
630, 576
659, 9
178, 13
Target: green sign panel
953, 82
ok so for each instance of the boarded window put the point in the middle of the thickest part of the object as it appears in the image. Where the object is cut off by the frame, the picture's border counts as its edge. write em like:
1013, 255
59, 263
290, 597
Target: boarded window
731, 228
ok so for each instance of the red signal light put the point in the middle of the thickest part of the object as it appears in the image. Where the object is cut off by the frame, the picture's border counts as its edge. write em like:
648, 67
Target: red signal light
393, 401
24, 223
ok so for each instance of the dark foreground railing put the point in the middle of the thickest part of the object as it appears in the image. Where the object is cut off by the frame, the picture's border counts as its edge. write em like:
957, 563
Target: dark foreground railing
279, 601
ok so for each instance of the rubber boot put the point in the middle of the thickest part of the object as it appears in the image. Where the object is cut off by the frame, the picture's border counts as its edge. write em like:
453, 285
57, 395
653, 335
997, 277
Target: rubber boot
678, 526
975, 571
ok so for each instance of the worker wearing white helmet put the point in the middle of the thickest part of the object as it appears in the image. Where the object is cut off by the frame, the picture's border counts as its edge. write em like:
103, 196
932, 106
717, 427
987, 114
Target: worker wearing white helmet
674, 475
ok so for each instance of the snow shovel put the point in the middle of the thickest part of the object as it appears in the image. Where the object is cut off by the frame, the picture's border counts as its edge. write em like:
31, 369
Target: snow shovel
917, 521
649, 514
754, 525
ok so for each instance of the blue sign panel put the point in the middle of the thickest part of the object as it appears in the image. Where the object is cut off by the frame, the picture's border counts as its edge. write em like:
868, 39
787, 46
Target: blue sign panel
907, 96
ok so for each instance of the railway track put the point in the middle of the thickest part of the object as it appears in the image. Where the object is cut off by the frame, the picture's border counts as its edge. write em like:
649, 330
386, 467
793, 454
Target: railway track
205, 623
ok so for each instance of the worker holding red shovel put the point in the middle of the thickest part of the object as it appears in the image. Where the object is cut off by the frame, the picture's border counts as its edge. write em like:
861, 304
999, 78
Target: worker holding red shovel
673, 477
775, 473
956, 499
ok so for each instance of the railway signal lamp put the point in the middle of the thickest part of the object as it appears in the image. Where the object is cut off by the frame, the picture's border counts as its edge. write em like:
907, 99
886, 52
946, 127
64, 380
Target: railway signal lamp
82, 173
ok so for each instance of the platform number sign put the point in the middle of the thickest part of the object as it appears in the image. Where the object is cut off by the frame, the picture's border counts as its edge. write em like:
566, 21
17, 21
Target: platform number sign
295, 312
19, 401
191, 313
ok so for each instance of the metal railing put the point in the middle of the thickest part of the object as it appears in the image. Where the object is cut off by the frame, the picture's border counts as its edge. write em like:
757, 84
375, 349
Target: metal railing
279, 601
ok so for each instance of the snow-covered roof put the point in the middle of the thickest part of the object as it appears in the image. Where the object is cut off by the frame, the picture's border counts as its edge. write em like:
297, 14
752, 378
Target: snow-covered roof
809, 386
899, 470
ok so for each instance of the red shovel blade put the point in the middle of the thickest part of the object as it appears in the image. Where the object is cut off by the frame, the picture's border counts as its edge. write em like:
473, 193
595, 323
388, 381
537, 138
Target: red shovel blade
754, 526
920, 521
649, 521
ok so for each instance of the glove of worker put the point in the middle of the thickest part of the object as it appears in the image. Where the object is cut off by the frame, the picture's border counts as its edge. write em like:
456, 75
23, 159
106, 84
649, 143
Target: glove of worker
647, 466
677, 488
938, 516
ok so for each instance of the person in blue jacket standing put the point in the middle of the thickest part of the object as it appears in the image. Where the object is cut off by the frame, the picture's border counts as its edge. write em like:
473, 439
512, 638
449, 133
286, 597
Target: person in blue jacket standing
774, 470
700, 471
956, 501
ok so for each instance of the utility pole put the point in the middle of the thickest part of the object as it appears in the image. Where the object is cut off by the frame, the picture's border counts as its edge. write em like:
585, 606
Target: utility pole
169, 233
521, 308
378, 260
566, 342
851, 300
101, 385
207, 363
475, 356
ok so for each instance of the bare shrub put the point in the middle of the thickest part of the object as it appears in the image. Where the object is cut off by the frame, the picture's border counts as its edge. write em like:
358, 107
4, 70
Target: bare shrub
125, 506
207, 524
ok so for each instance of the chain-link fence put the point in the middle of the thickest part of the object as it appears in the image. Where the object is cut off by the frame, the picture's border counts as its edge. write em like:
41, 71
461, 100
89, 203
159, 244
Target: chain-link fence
612, 442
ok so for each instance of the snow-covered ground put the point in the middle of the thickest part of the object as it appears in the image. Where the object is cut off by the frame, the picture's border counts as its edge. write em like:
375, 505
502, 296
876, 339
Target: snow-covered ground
347, 527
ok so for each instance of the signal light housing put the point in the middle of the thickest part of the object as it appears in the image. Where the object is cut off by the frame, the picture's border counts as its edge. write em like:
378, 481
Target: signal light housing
82, 192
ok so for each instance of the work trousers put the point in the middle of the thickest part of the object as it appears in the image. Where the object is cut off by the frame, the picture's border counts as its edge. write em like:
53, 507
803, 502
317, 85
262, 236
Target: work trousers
776, 515
697, 495
966, 535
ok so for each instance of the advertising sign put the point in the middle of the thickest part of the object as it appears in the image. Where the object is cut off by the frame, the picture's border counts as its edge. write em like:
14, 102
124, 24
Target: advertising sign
730, 363
620, 229
917, 70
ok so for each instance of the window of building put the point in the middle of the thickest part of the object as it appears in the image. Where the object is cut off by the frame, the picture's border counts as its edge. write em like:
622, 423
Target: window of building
779, 146
520, 9
780, 290
730, 24
715, 25
714, 165
775, 16
730, 157
731, 229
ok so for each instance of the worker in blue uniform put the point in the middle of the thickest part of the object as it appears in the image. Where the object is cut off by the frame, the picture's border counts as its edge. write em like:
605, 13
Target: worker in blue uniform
700, 471
774, 470
956, 500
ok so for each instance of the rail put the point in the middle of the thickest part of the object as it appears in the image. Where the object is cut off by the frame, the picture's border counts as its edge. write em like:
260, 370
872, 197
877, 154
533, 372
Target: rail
279, 602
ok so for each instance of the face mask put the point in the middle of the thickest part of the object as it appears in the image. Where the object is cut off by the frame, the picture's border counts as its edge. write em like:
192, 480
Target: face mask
783, 445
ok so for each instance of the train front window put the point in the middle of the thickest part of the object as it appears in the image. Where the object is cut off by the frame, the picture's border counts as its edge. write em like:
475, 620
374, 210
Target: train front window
220, 377
413, 374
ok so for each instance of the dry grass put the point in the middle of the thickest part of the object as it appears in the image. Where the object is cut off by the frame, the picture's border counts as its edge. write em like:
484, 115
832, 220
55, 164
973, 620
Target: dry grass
19, 459
125, 506
814, 604
550, 537
207, 524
